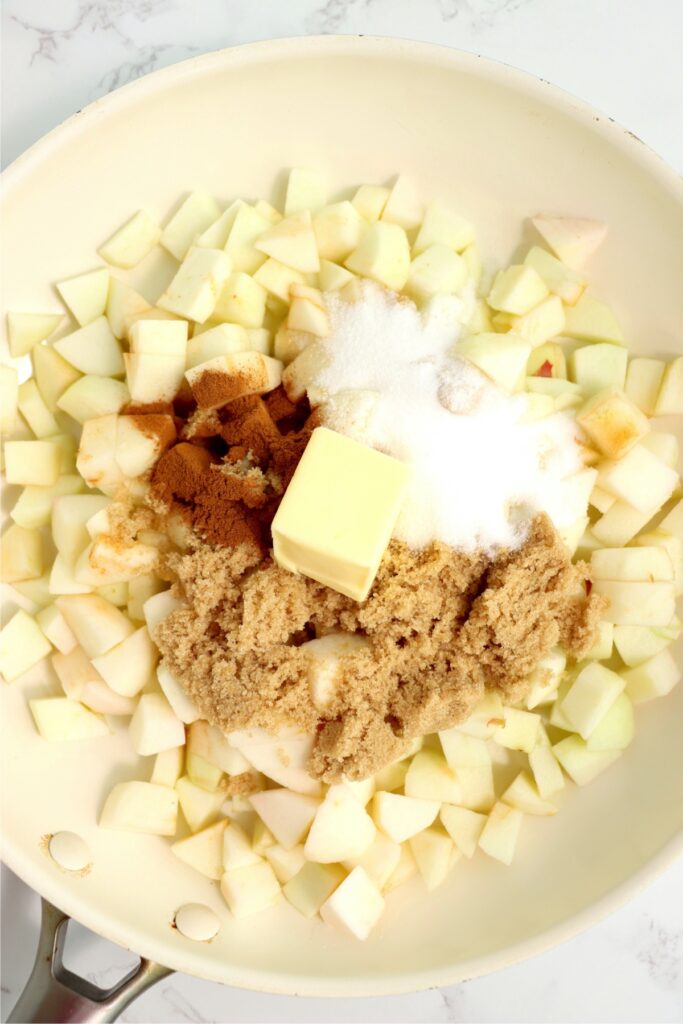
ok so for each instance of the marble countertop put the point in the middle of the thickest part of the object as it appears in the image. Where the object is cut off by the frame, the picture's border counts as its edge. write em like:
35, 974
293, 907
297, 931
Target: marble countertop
57, 56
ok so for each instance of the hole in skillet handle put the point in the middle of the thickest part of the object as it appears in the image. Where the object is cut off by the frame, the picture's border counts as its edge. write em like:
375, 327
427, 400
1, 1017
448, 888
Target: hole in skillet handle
53, 993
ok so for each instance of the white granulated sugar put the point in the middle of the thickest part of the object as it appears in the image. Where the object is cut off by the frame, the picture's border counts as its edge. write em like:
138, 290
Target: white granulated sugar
479, 474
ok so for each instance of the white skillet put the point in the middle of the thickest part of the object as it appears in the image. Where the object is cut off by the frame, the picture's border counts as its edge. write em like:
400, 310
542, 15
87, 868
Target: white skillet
497, 145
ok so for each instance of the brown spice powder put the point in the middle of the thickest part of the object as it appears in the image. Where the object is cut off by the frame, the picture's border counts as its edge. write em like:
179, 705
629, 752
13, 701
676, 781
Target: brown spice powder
443, 627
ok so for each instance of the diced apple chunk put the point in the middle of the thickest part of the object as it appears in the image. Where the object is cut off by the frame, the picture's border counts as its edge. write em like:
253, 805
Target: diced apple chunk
581, 764
545, 678
285, 863
645, 564
233, 376
237, 850
619, 524
195, 214
436, 271
55, 627
640, 479
132, 242
355, 906
203, 851
70, 513
616, 728
176, 695
653, 678
560, 279
92, 349
338, 229
292, 241
154, 727
194, 291
591, 320
199, 806
34, 410
433, 852
282, 758
26, 330
21, 554
97, 624
141, 807
572, 239
520, 730
159, 607
288, 815
503, 358
430, 778
32, 463
469, 758
597, 367
442, 226
464, 827
370, 201
9, 396
60, 719
401, 817
591, 695
637, 604
250, 889
517, 290
221, 340
613, 422
636, 644
379, 860
341, 828
153, 378
306, 190
643, 382
501, 832
202, 774
91, 397
323, 663
52, 373
383, 254
168, 767
523, 795
128, 666
307, 311
242, 301
670, 397
546, 771
22, 645
86, 294
540, 324
403, 207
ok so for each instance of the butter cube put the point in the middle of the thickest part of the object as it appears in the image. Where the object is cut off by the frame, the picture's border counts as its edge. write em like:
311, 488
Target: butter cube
336, 518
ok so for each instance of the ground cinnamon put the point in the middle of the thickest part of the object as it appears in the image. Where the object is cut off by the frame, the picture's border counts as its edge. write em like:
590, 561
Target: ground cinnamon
229, 470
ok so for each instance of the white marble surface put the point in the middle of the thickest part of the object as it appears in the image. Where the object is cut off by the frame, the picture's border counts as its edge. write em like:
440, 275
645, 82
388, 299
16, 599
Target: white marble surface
622, 56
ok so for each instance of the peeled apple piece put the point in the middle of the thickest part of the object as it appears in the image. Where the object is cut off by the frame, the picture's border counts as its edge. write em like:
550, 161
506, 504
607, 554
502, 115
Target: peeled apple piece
251, 889
86, 294
401, 817
21, 554
132, 242
288, 815
383, 255
572, 239
129, 665
434, 855
141, 807
154, 727
203, 851
501, 832
26, 330
355, 907
97, 624
58, 718
22, 645
341, 828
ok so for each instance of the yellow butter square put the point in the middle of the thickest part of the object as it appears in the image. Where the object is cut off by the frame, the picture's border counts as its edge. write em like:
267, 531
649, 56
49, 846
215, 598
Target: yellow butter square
337, 516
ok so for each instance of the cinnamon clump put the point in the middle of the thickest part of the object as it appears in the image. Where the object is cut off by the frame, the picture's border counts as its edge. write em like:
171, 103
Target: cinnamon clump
227, 474
442, 628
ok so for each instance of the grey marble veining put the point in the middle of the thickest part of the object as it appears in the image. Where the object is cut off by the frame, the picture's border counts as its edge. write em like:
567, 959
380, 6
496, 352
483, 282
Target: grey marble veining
622, 56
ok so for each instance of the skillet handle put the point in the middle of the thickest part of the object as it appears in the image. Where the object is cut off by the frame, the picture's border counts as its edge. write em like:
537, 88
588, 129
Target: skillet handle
55, 995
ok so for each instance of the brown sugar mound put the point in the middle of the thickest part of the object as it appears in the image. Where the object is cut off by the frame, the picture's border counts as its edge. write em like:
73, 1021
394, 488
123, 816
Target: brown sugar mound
443, 627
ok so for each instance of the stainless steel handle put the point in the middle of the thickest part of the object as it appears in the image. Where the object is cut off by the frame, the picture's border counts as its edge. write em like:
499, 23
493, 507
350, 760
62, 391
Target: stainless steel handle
55, 995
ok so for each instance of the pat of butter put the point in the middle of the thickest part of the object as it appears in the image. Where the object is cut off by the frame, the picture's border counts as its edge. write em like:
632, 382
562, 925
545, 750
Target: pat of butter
336, 518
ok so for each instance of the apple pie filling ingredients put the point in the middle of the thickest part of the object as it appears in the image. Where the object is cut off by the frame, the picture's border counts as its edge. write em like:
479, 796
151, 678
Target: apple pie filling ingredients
371, 551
